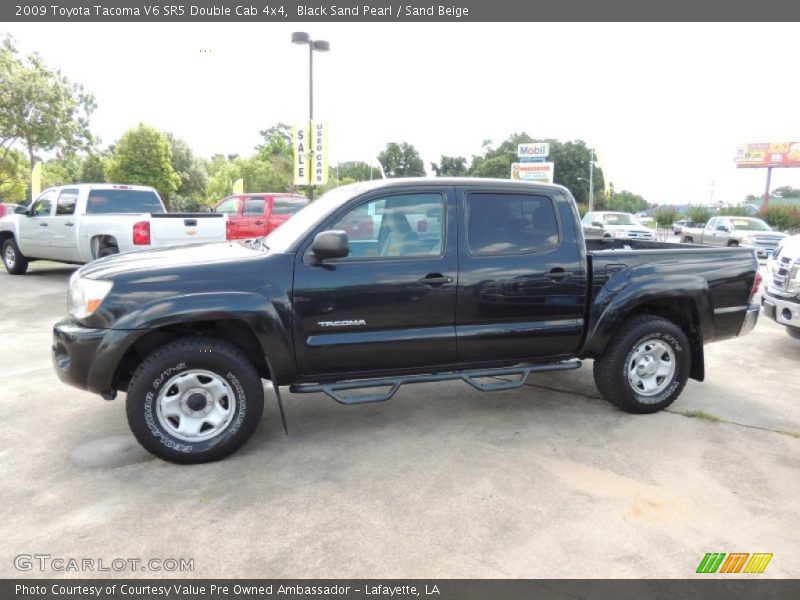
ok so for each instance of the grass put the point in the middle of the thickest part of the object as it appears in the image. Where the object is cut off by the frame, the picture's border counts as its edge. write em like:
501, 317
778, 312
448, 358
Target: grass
699, 414
794, 434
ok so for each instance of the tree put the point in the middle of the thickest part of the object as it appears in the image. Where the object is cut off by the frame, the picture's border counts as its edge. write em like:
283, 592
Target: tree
14, 175
192, 171
357, 171
450, 166
699, 215
571, 163
401, 160
143, 156
625, 201
61, 171
93, 168
786, 191
40, 109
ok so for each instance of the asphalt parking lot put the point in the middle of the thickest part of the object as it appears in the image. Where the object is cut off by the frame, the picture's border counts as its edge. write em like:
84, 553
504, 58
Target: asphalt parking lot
442, 481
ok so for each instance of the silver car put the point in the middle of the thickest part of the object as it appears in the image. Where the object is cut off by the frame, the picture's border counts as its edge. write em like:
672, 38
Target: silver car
612, 224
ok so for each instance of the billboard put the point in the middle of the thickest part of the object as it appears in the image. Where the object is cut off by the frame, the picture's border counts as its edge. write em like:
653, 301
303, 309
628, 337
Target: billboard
768, 154
319, 171
534, 172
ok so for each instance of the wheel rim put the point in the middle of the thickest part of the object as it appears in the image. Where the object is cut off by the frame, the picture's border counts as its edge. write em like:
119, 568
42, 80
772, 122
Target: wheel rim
10, 256
196, 405
651, 367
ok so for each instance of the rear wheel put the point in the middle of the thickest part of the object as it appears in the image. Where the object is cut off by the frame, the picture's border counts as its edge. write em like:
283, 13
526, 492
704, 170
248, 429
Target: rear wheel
733, 244
14, 261
688, 240
793, 333
108, 251
645, 366
194, 400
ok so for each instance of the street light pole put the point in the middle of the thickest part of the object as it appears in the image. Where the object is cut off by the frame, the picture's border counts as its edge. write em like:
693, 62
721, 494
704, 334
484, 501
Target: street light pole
301, 37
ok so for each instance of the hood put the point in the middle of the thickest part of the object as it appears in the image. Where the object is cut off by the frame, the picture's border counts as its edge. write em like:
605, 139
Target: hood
156, 260
760, 233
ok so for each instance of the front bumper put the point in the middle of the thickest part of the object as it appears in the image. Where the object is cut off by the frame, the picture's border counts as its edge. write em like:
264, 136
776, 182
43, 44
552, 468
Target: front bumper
750, 318
781, 310
73, 351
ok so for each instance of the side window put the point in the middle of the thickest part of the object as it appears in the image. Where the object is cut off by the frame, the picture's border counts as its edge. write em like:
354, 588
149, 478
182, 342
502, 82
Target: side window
67, 200
228, 207
287, 206
43, 205
500, 223
400, 226
587, 218
253, 206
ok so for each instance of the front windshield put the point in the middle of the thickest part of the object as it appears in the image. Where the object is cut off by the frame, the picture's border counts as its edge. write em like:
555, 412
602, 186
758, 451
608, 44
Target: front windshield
620, 219
750, 225
282, 238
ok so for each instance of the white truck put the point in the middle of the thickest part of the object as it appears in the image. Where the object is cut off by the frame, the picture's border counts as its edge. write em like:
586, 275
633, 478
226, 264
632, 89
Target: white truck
79, 223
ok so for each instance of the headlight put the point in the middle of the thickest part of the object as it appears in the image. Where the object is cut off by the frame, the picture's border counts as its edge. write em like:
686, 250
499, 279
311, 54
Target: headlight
749, 240
85, 295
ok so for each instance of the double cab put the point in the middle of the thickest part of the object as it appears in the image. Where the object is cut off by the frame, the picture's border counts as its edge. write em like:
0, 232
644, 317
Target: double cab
735, 231
498, 284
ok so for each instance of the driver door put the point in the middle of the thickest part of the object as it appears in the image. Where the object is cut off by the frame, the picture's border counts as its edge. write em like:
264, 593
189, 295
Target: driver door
34, 227
389, 305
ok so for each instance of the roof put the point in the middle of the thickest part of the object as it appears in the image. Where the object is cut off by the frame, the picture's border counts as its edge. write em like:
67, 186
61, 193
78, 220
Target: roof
454, 181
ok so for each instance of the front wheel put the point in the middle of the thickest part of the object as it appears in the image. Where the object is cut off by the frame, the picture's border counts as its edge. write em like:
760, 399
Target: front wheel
194, 400
645, 366
15, 263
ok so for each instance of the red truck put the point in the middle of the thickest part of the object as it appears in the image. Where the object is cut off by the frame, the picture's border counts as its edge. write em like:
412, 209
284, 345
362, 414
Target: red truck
257, 214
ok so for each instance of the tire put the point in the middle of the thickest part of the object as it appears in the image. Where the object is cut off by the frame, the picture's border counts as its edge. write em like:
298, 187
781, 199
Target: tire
194, 400
616, 370
14, 261
793, 333
733, 244
108, 251
688, 240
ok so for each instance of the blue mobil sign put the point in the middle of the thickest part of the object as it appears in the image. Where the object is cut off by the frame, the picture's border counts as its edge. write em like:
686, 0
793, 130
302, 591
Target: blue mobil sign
533, 152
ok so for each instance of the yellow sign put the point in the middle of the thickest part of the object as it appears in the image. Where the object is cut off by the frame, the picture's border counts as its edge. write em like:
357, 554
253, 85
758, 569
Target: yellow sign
319, 171
300, 150
36, 180
238, 186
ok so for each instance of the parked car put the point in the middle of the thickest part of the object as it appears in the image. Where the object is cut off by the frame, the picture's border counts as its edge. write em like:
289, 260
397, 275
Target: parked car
79, 223
503, 284
258, 214
781, 294
678, 226
735, 231
619, 225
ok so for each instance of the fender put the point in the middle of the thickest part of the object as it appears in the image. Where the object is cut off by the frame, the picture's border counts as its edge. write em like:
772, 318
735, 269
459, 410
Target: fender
630, 289
256, 311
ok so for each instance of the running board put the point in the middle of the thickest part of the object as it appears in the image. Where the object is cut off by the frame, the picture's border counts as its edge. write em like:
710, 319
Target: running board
393, 384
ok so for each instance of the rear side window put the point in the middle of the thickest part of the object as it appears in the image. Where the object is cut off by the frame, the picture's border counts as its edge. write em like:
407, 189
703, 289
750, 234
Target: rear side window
510, 223
66, 202
112, 201
287, 206
254, 206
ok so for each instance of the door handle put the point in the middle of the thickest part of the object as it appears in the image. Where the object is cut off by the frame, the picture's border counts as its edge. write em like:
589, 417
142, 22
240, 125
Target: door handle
435, 279
259, 222
42, 224
69, 224
559, 274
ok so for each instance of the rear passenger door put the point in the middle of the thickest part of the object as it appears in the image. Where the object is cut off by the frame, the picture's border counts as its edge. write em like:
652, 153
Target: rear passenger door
522, 275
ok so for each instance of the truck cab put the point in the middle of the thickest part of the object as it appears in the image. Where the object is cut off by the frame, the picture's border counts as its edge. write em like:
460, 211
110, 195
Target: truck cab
258, 214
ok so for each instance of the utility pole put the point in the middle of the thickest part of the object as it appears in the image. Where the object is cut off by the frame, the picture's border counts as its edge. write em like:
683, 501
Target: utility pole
591, 181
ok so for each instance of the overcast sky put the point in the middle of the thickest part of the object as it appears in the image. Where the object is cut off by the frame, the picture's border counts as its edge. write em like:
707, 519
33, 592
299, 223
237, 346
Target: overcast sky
664, 104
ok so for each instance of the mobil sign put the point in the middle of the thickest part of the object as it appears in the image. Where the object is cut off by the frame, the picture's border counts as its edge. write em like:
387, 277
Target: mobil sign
537, 150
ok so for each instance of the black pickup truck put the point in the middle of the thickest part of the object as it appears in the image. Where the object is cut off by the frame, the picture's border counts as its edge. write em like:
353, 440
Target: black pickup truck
486, 281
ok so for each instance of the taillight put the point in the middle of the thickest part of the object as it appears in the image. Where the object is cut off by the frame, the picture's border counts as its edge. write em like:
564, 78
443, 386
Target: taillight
756, 284
141, 233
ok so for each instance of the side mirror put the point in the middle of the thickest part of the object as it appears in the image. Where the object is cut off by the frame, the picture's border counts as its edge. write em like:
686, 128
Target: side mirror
722, 228
596, 224
330, 244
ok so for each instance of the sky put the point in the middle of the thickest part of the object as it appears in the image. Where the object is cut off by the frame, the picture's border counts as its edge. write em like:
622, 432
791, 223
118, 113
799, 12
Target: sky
663, 104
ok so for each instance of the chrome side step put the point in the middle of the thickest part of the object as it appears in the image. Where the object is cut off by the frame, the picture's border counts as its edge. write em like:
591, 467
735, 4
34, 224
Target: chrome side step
392, 384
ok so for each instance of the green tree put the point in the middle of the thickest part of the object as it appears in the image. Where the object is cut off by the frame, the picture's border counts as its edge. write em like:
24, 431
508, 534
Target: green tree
14, 175
733, 210
61, 171
93, 168
786, 191
571, 163
192, 171
143, 156
450, 166
40, 109
401, 160
625, 201
699, 215
357, 171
